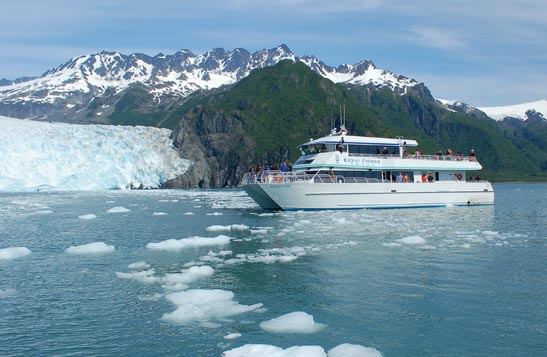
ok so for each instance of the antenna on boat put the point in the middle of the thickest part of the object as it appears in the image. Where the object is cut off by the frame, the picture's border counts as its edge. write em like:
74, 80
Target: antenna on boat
343, 130
332, 123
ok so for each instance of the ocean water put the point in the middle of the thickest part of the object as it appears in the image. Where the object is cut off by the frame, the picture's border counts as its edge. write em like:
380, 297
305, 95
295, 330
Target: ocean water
205, 272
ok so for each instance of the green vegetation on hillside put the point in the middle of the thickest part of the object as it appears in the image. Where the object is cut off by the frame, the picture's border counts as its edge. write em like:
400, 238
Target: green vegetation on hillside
282, 106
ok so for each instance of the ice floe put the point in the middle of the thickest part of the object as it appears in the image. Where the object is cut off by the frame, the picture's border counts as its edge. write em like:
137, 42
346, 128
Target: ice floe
144, 276
294, 322
87, 216
139, 265
233, 227
178, 244
13, 253
351, 350
170, 281
91, 248
273, 351
232, 336
203, 306
118, 210
412, 240
263, 350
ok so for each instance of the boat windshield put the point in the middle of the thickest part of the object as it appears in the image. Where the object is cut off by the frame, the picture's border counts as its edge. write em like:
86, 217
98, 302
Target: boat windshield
314, 149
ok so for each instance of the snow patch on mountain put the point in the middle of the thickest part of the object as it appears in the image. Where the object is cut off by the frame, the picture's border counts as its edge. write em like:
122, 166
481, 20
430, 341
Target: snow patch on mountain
58, 156
516, 111
76, 82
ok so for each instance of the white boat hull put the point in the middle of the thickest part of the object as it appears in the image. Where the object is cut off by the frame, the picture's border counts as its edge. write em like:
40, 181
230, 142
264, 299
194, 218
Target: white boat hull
303, 195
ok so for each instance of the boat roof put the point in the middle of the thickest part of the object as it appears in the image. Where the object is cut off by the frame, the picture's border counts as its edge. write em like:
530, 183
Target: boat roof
361, 140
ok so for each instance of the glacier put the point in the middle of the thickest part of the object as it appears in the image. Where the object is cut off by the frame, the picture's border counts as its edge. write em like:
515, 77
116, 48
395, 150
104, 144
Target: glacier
37, 156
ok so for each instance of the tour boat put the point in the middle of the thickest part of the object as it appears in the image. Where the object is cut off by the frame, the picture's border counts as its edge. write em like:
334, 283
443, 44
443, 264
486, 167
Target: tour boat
342, 171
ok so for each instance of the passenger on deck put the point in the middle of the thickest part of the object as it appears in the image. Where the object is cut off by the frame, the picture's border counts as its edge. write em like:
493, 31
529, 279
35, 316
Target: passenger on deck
472, 156
283, 167
406, 177
266, 177
400, 178
385, 151
429, 177
424, 178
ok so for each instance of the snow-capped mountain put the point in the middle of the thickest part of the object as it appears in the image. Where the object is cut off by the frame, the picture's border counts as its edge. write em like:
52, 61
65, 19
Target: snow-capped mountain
533, 110
518, 111
68, 89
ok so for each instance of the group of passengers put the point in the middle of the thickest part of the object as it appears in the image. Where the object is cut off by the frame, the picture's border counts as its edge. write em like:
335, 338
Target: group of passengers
449, 155
263, 174
418, 154
402, 178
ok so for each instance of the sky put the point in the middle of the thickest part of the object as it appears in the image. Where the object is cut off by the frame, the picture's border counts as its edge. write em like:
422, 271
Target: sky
481, 52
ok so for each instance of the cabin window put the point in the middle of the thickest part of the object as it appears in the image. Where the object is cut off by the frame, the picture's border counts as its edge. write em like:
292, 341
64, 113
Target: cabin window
316, 148
367, 174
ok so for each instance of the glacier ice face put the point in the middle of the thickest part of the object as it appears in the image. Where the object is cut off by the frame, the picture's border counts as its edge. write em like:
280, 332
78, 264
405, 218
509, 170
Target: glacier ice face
67, 157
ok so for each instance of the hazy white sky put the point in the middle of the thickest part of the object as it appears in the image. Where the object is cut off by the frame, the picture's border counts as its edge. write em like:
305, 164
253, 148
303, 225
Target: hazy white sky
482, 52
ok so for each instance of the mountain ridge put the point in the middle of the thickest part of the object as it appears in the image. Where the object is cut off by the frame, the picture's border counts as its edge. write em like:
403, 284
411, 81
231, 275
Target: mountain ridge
64, 92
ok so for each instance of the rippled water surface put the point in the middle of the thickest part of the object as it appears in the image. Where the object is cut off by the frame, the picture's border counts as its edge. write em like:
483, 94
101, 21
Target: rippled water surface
211, 267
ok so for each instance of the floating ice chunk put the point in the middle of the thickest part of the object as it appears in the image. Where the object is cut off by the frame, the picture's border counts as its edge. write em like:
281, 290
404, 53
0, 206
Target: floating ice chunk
189, 275
218, 228
118, 210
270, 259
200, 305
188, 213
87, 216
239, 227
412, 240
273, 351
7, 293
231, 336
233, 227
294, 322
215, 214
178, 244
91, 248
159, 214
139, 265
13, 253
350, 350
145, 276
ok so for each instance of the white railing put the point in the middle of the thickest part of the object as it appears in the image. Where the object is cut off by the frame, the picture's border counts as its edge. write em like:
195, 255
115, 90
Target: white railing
420, 157
277, 177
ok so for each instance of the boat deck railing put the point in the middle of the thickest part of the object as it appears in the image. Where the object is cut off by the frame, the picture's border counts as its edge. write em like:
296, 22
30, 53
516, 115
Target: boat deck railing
417, 157
279, 177
276, 177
